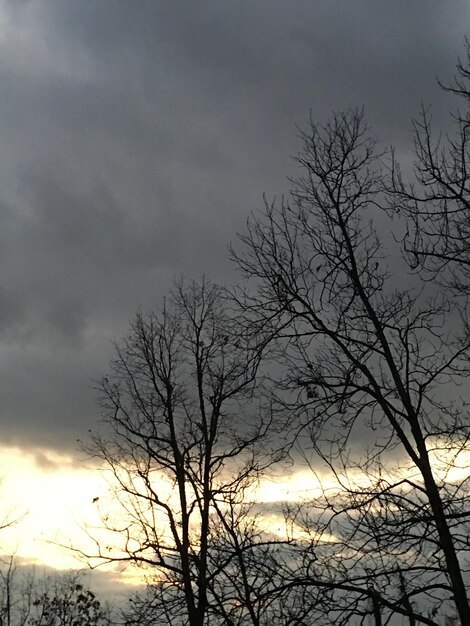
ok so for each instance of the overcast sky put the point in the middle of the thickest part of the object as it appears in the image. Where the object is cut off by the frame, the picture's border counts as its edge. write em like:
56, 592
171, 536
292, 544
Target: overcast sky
136, 137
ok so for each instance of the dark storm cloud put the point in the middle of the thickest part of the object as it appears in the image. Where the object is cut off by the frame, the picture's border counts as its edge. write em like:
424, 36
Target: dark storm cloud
136, 137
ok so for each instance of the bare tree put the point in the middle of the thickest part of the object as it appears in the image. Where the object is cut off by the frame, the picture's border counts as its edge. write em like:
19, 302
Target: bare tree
437, 204
247, 582
187, 440
370, 372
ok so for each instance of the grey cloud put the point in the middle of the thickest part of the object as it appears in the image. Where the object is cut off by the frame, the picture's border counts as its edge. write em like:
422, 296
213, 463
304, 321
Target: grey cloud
136, 140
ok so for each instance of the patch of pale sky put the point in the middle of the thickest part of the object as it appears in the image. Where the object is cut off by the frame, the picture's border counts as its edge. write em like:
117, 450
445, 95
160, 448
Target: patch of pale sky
46, 490
55, 497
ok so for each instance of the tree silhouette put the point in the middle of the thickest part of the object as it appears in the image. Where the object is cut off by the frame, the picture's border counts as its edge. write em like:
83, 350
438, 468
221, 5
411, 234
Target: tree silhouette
187, 442
437, 204
367, 361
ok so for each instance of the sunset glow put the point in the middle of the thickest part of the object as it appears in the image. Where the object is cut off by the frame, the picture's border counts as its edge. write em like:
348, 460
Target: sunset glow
52, 496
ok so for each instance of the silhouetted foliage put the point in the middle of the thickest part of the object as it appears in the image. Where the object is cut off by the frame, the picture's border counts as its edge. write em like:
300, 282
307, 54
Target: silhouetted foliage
29, 599
68, 606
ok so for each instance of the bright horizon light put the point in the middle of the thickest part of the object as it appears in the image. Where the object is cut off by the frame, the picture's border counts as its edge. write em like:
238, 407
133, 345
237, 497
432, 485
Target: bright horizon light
55, 496
52, 495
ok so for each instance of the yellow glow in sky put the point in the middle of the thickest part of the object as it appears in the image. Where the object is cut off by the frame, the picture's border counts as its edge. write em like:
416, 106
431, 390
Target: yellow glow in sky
53, 494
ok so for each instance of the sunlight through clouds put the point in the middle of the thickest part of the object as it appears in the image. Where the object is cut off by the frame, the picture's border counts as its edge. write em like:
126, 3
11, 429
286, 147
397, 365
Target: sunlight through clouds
55, 498
52, 496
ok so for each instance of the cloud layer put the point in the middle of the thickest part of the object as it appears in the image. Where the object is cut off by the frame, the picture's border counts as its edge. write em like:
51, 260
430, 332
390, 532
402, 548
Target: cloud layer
136, 138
